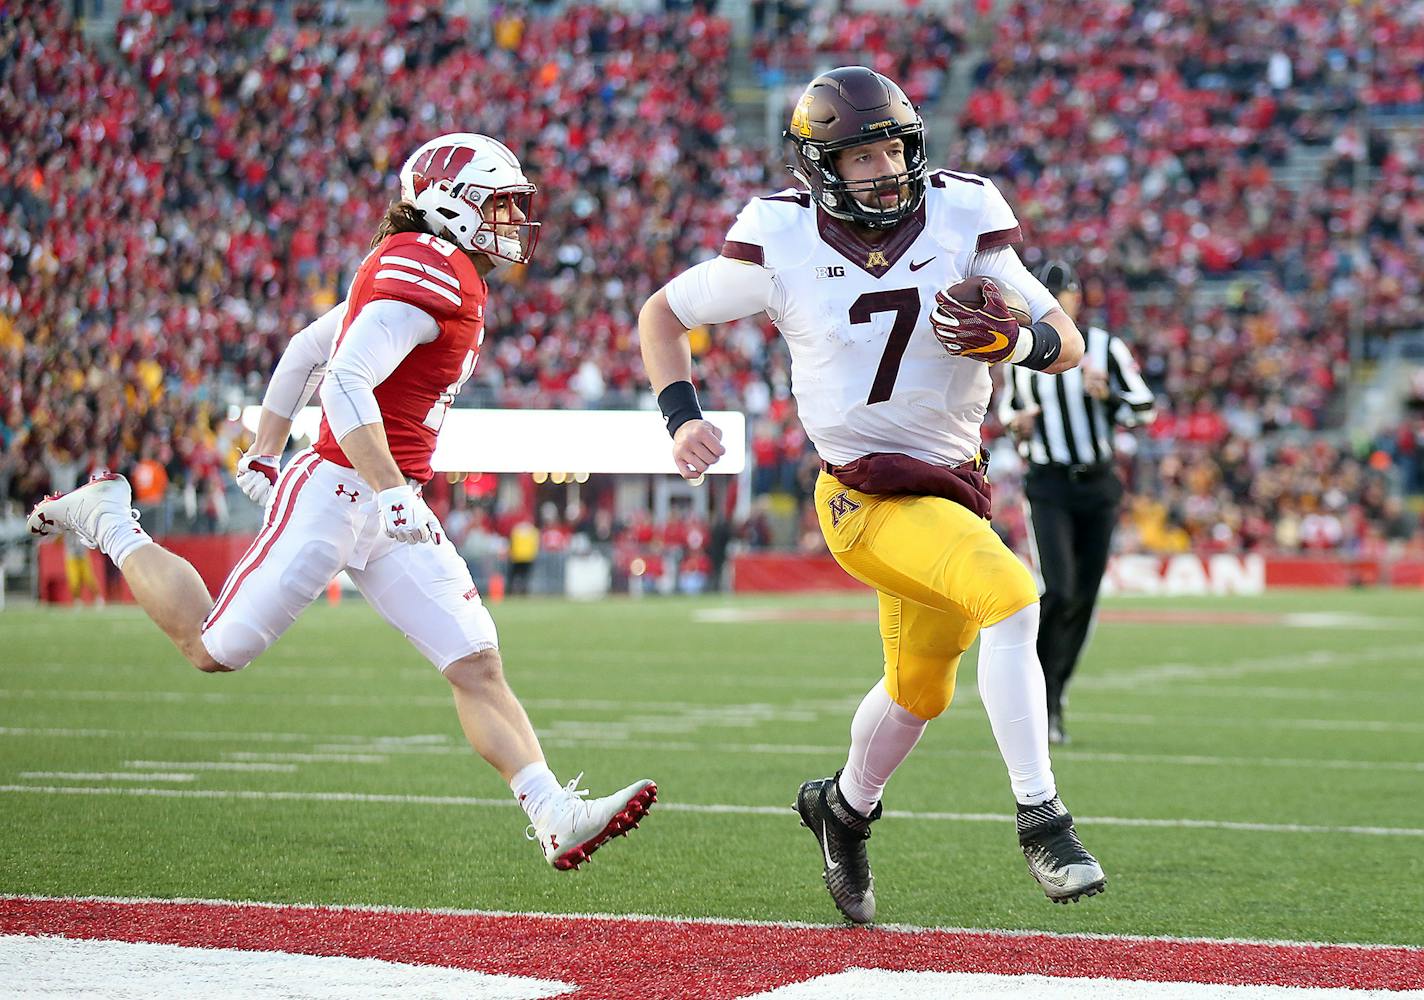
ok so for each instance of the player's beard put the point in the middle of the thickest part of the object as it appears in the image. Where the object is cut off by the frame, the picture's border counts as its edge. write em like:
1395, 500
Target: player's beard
883, 199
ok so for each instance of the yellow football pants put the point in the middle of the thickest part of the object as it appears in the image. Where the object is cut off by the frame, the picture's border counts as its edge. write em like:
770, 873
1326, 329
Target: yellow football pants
942, 574
82, 579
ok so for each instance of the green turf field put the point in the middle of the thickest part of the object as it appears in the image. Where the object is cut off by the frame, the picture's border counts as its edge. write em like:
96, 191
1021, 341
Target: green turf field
1300, 711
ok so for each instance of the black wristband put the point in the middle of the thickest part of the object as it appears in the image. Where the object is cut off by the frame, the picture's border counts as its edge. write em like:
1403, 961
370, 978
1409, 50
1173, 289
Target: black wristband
679, 405
1047, 345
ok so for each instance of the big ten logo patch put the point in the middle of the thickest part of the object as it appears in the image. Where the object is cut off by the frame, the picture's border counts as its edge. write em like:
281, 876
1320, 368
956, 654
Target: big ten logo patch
835, 271
840, 505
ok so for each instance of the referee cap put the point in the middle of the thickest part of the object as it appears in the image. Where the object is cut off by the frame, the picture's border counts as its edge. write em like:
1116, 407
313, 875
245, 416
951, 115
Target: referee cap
1058, 276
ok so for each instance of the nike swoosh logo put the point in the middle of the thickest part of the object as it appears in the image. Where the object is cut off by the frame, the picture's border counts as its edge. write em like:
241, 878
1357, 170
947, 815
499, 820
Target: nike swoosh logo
917, 266
826, 850
1000, 342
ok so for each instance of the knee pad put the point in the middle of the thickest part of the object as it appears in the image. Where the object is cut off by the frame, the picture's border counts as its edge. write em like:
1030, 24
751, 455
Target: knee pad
234, 643
923, 685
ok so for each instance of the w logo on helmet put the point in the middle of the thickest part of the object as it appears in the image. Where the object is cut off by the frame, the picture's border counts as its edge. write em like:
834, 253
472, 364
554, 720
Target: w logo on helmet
443, 163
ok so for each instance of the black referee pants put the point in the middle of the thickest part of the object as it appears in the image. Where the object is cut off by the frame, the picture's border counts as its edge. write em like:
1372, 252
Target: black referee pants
1073, 510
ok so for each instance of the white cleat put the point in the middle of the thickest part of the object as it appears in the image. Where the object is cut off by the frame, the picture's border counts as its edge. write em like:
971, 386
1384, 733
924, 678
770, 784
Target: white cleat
82, 509
573, 827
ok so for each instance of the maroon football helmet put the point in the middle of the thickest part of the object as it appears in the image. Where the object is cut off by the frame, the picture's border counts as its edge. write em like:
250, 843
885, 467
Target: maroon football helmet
851, 106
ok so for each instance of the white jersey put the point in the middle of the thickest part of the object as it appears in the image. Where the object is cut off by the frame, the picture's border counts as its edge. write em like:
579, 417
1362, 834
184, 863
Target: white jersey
866, 370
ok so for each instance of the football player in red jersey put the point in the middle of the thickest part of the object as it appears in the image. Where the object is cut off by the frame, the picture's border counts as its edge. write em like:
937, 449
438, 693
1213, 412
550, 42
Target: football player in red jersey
393, 357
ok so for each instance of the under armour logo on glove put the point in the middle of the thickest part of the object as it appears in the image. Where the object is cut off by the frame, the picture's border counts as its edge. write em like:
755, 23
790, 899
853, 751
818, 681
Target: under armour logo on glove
256, 476
405, 517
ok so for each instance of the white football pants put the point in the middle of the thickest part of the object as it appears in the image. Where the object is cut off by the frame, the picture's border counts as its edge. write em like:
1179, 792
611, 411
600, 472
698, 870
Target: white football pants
322, 518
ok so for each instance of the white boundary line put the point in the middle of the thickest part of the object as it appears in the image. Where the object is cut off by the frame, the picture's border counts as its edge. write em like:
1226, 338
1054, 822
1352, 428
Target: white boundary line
691, 807
1018, 933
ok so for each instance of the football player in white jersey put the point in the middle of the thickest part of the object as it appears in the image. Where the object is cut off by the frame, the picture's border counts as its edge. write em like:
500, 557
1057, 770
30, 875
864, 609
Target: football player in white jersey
881, 275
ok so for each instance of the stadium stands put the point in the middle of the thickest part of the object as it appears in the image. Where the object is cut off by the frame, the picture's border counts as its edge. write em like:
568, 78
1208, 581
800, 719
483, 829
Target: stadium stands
171, 214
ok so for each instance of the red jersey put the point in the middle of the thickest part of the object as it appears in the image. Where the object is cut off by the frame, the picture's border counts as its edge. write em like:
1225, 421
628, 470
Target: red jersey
433, 275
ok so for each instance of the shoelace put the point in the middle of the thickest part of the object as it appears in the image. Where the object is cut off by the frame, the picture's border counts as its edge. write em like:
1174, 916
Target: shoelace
91, 541
1064, 848
571, 789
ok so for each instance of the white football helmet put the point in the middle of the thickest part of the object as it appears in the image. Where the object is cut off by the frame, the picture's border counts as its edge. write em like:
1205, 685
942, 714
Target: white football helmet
450, 178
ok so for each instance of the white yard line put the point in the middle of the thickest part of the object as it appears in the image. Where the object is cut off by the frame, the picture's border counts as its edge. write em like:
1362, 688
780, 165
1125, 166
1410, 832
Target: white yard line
229, 698
1238, 693
365, 750
201, 736
1229, 722
107, 776
1287, 663
214, 765
1184, 760
680, 717
320, 758
689, 807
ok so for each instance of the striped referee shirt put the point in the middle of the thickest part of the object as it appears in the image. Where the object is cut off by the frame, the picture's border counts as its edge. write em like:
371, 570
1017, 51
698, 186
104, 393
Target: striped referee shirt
1072, 427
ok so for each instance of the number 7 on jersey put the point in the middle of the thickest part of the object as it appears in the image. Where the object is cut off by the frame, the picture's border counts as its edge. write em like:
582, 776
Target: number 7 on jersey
905, 304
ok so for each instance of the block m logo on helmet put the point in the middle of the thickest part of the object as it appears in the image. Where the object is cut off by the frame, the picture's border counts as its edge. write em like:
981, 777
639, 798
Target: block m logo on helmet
443, 163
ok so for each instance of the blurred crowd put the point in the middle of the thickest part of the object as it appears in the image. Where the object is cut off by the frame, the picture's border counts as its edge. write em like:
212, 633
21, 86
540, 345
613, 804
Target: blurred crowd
916, 48
167, 222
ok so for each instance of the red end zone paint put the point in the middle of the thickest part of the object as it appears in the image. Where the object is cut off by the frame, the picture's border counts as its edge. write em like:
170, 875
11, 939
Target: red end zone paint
611, 959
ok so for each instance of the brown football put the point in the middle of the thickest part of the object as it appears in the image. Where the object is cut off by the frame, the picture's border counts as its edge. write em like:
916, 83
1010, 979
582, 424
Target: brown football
967, 291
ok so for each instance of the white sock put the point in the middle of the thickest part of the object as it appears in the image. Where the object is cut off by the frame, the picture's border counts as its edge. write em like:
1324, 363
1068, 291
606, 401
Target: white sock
1011, 687
532, 785
119, 537
882, 734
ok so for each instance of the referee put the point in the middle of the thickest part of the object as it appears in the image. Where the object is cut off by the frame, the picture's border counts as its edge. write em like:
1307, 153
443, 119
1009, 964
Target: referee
1064, 428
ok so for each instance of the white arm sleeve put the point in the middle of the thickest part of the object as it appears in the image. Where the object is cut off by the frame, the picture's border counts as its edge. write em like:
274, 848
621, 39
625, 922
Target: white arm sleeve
721, 290
377, 340
1003, 264
302, 364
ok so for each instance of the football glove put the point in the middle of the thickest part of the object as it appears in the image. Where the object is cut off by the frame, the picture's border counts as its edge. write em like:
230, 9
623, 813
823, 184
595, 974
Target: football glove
983, 330
257, 476
405, 517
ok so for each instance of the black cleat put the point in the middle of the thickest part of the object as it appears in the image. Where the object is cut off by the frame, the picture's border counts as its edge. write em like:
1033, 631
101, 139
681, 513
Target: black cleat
1056, 857
842, 833
1057, 735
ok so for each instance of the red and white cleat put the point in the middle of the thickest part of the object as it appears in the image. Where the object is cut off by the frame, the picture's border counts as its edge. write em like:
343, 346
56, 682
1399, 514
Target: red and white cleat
573, 827
82, 510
